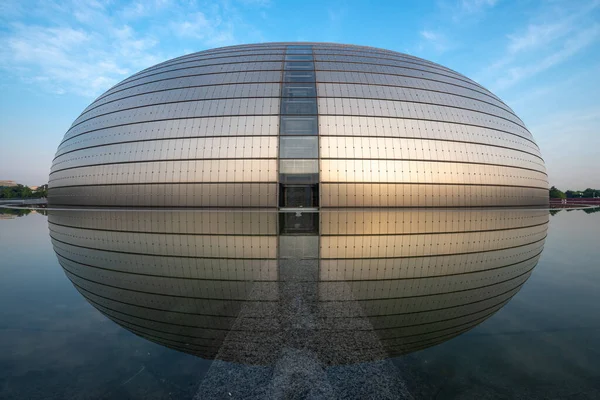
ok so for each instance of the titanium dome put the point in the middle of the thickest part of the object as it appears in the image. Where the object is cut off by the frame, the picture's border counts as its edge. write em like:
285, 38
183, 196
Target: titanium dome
298, 125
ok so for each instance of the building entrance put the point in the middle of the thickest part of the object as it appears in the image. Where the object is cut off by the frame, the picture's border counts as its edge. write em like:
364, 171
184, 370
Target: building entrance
299, 196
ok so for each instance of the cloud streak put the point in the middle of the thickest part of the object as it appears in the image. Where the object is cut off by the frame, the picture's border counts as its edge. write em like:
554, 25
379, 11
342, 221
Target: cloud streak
212, 31
473, 6
84, 48
435, 39
543, 45
52, 58
568, 49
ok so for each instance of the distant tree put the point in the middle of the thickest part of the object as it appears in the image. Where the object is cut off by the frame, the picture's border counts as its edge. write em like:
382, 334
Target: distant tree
589, 193
38, 194
556, 194
13, 211
21, 192
24, 192
7, 193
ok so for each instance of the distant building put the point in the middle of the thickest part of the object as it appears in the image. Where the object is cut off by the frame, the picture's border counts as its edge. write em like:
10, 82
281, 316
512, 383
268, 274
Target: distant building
36, 188
8, 183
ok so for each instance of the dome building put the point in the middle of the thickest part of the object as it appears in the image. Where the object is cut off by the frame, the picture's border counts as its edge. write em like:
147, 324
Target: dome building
290, 125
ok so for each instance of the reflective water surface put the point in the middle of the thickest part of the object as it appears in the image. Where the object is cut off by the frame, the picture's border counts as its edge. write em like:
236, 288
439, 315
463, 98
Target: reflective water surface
496, 303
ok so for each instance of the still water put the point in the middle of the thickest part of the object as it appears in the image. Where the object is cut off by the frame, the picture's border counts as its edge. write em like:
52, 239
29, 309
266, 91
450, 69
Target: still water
341, 304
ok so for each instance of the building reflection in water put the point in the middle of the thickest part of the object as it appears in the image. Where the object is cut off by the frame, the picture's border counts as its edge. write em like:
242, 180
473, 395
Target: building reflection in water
344, 286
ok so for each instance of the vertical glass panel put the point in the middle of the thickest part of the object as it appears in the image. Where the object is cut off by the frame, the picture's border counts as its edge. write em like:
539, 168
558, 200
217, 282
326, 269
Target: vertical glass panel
298, 166
299, 179
298, 57
299, 66
298, 90
299, 76
298, 125
294, 105
298, 171
298, 147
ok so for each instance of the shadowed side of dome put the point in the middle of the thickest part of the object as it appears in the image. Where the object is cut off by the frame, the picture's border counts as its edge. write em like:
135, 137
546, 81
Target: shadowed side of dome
298, 124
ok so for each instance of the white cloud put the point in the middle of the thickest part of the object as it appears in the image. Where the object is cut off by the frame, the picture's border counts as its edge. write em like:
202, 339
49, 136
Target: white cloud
65, 59
81, 51
10, 9
460, 12
537, 35
464, 11
257, 3
568, 49
135, 10
555, 37
472, 6
435, 40
140, 9
86, 47
212, 31
429, 35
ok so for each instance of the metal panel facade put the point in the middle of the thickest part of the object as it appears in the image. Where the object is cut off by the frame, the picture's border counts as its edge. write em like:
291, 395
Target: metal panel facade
393, 131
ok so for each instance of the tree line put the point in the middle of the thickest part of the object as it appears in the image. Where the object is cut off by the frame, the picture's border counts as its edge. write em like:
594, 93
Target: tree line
587, 210
14, 211
573, 194
21, 192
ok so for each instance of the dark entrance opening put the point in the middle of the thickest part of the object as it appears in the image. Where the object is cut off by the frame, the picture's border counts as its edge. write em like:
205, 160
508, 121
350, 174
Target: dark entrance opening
299, 196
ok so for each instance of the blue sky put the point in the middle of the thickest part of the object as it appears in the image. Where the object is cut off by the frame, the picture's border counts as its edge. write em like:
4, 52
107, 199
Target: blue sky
541, 57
